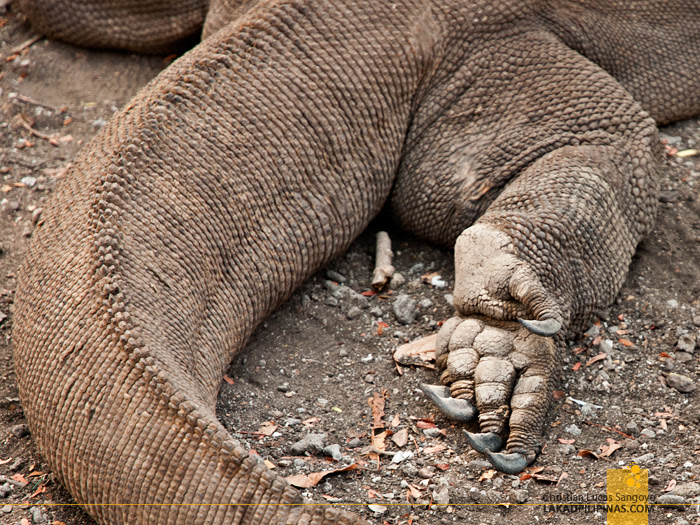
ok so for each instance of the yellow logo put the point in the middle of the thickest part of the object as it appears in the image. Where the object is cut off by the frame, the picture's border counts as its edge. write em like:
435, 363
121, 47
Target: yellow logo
628, 496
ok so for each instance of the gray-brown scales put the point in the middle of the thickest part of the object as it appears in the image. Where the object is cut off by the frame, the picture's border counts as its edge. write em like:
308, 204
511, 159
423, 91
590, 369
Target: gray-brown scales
288, 128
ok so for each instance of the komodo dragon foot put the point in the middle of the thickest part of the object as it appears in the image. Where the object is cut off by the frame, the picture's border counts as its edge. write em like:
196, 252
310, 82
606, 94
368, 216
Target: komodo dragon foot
492, 362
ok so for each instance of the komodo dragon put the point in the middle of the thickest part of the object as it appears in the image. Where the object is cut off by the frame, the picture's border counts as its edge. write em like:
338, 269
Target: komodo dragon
522, 130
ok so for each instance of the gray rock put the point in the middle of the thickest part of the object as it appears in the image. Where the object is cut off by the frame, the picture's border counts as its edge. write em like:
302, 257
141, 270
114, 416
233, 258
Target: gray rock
332, 301
645, 458
686, 344
441, 496
573, 430
353, 313
648, 433
405, 309
351, 296
671, 501
683, 357
377, 311
292, 422
311, 443
5, 490
672, 303
432, 432
520, 496
479, 464
410, 469
397, 281
6, 509
333, 451
20, 430
654, 480
28, 181
567, 449
680, 382
681, 521
687, 490
426, 303
427, 472
632, 428
38, 517
284, 387
696, 320
335, 276
354, 443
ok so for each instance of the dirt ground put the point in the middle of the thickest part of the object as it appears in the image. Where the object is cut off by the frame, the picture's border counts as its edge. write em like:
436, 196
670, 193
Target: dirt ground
316, 362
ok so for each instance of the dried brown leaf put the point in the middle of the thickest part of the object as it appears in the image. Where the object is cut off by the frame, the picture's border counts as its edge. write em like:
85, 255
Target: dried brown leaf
419, 352
304, 481
400, 437
595, 359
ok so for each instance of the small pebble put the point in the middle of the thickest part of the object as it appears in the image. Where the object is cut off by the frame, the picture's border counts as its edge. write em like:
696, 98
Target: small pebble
5, 490
567, 449
687, 490
20, 430
6, 509
369, 378
311, 443
686, 344
354, 443
334, 452
648, 433
671, 501
441, 496
377, 311
335, 276
38, 517
573, 430
332, 301
632, 428
353, 313
405, 309
342, 352
28, 181
520, 496
397, 281
284, 387
427, 472
696, 320
432, 432
672, 303
680, 382
426, 303
292, 422
643, 459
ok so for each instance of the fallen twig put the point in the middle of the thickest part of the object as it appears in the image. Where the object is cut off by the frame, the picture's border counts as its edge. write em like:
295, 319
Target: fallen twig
383, 270
608, 428
24, 45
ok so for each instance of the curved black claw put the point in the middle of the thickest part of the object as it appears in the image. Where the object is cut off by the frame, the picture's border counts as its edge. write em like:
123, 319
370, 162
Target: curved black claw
459, 410
484, 441
545, 328
507, 463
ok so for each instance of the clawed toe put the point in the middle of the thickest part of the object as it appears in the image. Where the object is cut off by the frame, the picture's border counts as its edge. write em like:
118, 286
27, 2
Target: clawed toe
458, 410
545, 328
513, 463
484, 441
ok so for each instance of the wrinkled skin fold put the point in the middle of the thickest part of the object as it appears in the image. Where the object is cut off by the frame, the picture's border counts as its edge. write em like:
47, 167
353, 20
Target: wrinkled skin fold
520, 132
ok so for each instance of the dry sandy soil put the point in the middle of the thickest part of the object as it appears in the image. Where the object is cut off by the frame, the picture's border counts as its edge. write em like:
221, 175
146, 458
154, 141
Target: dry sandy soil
315, 363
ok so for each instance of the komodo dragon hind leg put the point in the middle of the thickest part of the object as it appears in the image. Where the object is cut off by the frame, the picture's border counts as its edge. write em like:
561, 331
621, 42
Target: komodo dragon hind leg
546, 213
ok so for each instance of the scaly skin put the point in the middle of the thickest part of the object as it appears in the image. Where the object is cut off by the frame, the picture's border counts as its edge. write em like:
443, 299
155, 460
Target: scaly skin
497, 125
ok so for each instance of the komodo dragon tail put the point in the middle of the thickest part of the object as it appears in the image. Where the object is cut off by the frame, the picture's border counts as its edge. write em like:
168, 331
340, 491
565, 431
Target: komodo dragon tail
241, 169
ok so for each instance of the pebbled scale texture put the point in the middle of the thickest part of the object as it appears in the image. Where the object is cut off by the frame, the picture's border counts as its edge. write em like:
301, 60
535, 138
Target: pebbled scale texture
522, 131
